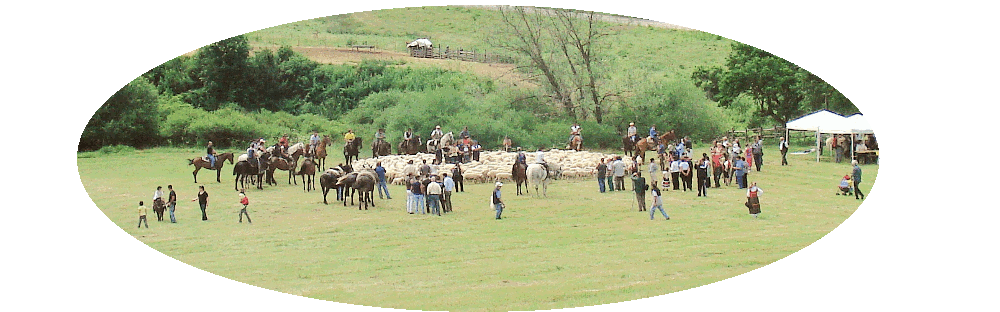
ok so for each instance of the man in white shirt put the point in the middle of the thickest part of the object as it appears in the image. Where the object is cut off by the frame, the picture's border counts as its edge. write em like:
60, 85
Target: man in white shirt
632, 132
437, 134
654, 172
619, 169
449, 185
434, 196
675, 173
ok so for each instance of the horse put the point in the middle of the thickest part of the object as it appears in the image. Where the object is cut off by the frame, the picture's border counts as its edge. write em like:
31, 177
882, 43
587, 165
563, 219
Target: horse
347, 182
295, 151
381, 148
328, 181
202, 163
352, 149
281, 164
520, 175
244, 169
538, 176
448, 139
410, 147
364, 185
628, 146
308, 170
647, 144
507, 143
576, 143
319, 157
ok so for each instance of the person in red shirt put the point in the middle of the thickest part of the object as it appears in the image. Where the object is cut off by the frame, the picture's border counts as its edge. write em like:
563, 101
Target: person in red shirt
244, 201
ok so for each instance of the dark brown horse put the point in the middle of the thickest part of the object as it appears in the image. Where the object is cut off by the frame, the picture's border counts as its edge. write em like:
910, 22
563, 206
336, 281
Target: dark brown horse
278, 163
364, 185
519, 172
244, 169
201, 163
328, 181
352, 149
320, 158
628, 146
381, 148
411, 147
308, 173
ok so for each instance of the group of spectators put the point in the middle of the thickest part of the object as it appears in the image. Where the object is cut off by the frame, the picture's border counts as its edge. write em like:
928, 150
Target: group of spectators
160, 205
425, 194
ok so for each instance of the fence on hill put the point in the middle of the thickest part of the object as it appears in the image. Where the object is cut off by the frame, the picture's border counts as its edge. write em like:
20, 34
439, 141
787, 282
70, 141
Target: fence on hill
460, 54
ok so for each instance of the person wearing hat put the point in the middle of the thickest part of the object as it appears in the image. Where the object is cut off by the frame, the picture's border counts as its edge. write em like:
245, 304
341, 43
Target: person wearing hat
437, 134
639, 186
497, 202
633, 133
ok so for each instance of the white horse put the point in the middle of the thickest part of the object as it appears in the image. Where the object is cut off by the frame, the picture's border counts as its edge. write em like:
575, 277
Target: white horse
537, 175
448, 139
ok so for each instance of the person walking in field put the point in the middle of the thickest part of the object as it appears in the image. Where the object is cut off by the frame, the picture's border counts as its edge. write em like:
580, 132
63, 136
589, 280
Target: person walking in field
783, 147
497, 202
142, 216
703, 179
172, 202
753, 201
657, 203
409, 194
757, 149
202, 201
380, 172
856, 177
740, 169
244, 201
639, 186
602, 173
459, 179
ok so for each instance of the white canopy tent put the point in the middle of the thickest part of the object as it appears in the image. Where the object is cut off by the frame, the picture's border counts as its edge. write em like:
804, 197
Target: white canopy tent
825, 121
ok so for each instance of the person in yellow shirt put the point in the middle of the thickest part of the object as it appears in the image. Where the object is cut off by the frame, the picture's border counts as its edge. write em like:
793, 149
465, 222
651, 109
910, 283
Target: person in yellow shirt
142, 215
349, 137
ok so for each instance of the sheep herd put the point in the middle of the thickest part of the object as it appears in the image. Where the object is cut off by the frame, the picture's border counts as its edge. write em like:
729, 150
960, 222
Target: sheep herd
492, 165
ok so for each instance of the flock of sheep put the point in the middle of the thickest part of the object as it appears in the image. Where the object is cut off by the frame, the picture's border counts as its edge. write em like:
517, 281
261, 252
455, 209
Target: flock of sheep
492, 165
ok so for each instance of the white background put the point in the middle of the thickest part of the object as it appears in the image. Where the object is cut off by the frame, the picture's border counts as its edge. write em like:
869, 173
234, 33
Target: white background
923, 74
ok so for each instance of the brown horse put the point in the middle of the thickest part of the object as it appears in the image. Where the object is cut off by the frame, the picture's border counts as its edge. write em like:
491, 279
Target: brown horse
201, 163
628, 146
381, 148
281, 164
576, 144
519, 171
647, 144
352, 149
308, 173
320, 157
507, 144
411, 147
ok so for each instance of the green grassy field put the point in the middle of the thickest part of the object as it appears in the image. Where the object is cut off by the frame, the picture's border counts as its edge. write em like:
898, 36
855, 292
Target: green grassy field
577, 247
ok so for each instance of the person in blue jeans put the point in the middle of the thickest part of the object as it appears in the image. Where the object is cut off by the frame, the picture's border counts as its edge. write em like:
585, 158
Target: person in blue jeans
741, 169
380, 171
657, 203
602, 171
172, 203
418, 195
497, 203
210, 153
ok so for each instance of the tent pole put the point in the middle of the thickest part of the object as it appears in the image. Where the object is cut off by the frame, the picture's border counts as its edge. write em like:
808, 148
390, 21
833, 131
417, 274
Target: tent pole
817, 144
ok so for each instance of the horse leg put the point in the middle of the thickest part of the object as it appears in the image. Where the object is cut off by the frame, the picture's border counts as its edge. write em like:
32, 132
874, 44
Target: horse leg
325, 190
195, 173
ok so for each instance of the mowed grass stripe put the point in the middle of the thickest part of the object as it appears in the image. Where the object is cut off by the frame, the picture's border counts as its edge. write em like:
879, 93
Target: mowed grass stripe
575, 247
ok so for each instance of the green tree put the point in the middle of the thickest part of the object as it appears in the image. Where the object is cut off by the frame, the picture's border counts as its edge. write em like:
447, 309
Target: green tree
769, 80
129, 117
821, 95
224, 68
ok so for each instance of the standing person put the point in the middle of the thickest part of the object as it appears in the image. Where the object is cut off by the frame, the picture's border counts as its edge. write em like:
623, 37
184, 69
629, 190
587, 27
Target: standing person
675, 172
717, 168
434, 196
688, 145
427, 199
619, 174
654, 171
602, 173
380, 171
734, 149
680, 149
747, 157
497, 202
172, 202
685, 167
158, 205
758, 153
409, 194
142, 215
703, 179
753, 202
210, 153
837, 149
243, 211
449, 186
611, 174
657, 203
741, 168
476, 149
639, 186
459, 180
418, 195
425, 169
856, 177
202, 201
783, 147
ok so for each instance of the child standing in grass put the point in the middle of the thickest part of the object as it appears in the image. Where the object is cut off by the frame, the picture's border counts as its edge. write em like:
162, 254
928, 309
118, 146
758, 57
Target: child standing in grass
244, 201
142, 215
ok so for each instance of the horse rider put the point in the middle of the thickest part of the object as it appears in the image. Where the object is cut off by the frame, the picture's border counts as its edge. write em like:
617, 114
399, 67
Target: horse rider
573, 131
349, 136
633, 132
437, 134
521, 158
464, 133
408, 135
540, 159
313, 142
379, 136
653, 135
283, 141
252, 153
210, 151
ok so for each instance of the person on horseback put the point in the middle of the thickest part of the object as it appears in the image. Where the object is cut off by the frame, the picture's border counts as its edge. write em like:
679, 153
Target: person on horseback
653, 135
210, 151
633, 133
349, 136
313, 142
251, 154
464, 133
380, 136
408, 135
573, 131
437, 134
521, 158
540, 159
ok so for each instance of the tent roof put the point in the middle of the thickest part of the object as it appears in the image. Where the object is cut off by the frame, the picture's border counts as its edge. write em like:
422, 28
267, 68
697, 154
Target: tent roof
826, 121
859, 124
